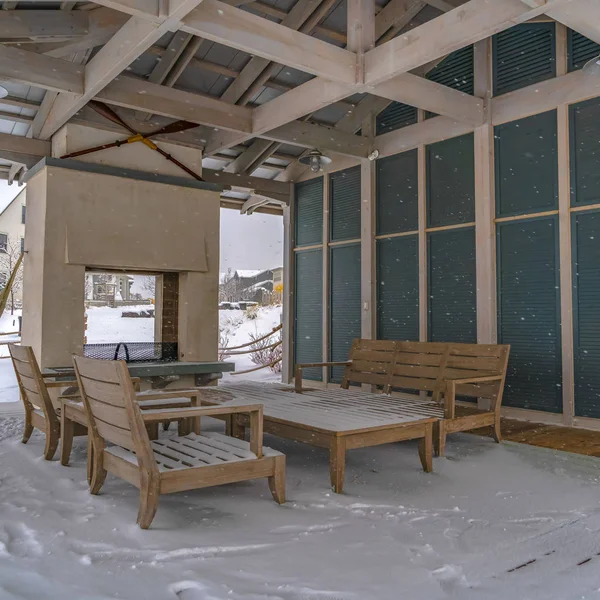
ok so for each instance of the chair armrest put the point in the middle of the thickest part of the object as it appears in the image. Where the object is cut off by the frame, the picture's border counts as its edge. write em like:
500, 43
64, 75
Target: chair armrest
255, 412
475, 379
164, 395
300, 366
450, 395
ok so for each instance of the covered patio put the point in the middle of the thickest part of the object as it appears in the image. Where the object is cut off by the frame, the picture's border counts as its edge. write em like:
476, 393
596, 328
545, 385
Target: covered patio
436, 167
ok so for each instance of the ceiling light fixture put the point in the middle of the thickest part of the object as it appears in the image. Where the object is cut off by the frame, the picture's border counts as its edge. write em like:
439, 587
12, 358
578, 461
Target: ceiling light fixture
315, 160
3, 92
592, 67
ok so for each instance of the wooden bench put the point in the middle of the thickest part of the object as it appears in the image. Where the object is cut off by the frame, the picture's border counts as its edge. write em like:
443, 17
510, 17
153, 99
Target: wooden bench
439, 372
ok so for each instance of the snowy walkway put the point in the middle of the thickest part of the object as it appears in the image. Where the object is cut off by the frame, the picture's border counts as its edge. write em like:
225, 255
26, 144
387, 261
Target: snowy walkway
397, 533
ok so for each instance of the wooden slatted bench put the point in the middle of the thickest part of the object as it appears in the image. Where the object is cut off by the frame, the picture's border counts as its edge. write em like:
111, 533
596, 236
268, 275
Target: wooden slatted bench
435, 373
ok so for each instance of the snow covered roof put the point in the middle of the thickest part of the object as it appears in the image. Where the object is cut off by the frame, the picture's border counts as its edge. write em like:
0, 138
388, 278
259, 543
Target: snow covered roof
249, 273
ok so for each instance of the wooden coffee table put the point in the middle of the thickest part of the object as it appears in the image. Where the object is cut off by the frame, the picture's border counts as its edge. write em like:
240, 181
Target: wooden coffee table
331, 419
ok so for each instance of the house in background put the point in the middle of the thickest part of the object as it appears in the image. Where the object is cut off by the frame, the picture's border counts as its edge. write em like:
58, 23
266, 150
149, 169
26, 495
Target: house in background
107, 289
12, 244
262, 287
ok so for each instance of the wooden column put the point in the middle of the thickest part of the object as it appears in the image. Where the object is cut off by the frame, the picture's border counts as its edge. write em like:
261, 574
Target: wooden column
422, 226
170, 307
564, 219
368, 297
487, 332
326, 222
289, 272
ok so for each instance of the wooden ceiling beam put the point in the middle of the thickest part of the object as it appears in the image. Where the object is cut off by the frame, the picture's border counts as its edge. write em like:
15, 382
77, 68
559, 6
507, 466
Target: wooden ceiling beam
41, 24
581, 15
132, 40
239, 29
476, 20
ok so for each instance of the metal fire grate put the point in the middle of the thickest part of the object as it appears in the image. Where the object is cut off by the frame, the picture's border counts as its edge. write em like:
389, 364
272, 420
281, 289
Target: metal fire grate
133, 351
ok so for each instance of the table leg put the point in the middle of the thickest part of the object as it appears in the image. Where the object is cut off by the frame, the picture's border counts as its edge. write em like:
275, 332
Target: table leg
337, 462
426, 449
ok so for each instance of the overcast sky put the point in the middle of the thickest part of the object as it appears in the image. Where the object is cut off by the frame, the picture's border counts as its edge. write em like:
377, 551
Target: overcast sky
247, 242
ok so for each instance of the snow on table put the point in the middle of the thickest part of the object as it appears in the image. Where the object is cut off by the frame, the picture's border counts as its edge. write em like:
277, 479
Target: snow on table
460, 532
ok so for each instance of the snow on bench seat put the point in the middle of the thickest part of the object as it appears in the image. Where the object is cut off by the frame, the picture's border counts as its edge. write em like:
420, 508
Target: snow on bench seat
194, 450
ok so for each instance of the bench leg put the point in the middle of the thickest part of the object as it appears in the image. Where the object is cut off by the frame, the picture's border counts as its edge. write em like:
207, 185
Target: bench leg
237, 431
277, 480
90, 459
28, 426
149, 492
52, 439
337, 463
67, 430
497, 430
440, 438
98, 472
426, 449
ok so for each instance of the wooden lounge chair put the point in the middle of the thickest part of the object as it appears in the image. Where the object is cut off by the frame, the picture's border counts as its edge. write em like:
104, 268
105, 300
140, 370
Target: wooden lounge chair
443, 370
172, 464
40, 412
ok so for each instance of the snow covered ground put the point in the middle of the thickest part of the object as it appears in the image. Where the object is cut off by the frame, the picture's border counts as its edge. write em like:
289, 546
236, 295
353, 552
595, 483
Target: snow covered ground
492, 522
106, 325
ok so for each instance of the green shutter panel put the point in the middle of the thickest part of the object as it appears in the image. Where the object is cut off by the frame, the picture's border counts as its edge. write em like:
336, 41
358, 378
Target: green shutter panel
580, 50
309, 212
529, 312
397, 193
395, 116
455, 71
523, 55
451, 182
451, 286
308, 322
586, 312
345, 303
398, 288
345, 204
526, 158
585, 152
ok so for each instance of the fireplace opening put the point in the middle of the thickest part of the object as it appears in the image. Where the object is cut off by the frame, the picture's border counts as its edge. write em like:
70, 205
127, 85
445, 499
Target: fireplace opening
130, 316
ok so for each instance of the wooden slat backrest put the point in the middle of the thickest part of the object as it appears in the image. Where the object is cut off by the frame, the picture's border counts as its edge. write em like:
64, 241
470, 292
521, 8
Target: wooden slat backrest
476, 360
110, 402
31, 383
425, 366
370, 362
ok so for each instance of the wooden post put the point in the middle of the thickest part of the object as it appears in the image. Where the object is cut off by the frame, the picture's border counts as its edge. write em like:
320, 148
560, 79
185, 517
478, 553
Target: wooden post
289, 272
487, 332
422, 226
368, 192
326, 221
564, 220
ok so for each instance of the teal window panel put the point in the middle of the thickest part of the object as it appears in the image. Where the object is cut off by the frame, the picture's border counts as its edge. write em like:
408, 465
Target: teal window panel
529, 312
394, 117
526, 156
580, 50
345, 310
345, 204
452, 290
308, 310
586, 312
397, 193
523, 55
398, 288
309, 212
455, 71
585, 152
451, 182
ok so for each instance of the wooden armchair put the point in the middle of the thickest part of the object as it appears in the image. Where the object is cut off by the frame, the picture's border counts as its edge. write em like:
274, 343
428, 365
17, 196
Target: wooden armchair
171, 464
40, 412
